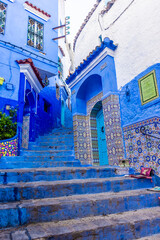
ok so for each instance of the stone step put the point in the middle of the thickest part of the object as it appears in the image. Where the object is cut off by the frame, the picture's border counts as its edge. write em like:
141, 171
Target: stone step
51, 147
49, 152
40, 164
61, 130
38, 158
54, 142
58, 133
54, 174
152, 237
49, 189
59, 137
59, 209
128, 225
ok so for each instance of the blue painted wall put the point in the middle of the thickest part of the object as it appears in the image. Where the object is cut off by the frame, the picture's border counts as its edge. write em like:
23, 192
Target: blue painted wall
15, 36
96, 81
51, 118
68, 120
17, 22
132, 110
5, 101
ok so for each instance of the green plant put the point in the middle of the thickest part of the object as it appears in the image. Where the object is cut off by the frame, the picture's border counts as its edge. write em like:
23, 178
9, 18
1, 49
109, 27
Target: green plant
8, 124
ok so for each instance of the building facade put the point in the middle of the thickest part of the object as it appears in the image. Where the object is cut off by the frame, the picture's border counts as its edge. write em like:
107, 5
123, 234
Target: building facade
115, 85
29, 67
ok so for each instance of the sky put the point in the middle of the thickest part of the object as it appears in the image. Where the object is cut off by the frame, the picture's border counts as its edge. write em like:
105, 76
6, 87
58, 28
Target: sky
77, 10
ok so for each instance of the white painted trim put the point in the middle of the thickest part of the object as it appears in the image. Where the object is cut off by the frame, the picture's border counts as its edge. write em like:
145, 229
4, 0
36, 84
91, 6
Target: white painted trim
96, 61
35, 12
25, 87
31, 77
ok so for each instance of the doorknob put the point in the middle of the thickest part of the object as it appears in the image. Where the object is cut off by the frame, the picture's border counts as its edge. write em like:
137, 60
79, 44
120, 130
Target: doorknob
102, 129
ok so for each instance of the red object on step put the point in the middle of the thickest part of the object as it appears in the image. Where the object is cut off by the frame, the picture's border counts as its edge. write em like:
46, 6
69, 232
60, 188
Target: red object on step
145, 173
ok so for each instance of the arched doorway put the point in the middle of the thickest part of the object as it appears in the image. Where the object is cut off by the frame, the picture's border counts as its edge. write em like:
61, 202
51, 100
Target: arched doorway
98, 136
28, 128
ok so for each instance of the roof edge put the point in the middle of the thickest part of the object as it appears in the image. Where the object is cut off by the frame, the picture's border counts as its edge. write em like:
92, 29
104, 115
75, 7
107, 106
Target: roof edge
106, 43
35, 70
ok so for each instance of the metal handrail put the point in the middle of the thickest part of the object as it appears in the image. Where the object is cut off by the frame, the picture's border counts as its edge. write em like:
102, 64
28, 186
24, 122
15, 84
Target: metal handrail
143, 130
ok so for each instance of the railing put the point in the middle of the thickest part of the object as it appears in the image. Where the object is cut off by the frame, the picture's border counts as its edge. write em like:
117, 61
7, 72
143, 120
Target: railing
145, 132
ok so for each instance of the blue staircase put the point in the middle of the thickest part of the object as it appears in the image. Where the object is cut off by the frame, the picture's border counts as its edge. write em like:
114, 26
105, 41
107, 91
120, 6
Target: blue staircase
46, 194
51, 150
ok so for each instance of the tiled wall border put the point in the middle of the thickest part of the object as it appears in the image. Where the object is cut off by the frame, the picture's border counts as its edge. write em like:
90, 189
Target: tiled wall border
143, 150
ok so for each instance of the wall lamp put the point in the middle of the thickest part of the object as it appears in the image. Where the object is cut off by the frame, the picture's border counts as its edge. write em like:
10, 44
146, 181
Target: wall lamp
9, 86
126, 92
8, 107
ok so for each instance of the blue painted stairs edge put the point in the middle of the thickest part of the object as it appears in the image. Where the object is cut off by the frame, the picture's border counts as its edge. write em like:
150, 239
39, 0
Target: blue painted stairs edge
83, 203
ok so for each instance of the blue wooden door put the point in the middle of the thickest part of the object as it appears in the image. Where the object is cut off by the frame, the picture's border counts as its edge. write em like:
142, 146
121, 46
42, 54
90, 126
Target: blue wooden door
102, 145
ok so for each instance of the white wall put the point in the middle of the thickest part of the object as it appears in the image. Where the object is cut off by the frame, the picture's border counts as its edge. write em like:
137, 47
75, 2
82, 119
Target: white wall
89, 37
136, 31
61, 42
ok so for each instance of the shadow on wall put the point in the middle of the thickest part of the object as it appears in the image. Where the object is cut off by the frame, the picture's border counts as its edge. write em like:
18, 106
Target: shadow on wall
91, 87
49, 110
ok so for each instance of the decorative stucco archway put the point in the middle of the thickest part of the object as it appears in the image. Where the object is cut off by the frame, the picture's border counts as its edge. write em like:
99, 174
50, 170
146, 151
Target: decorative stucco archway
95, 80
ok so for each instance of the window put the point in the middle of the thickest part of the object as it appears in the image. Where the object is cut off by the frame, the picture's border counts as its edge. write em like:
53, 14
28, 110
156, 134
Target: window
46, 106
60, 69
3, 8
57, 92
35, 34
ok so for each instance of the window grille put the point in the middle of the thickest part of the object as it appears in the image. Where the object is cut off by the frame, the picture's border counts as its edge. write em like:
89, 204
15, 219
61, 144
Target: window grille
60, 69
57, 91
35, 34
3, 8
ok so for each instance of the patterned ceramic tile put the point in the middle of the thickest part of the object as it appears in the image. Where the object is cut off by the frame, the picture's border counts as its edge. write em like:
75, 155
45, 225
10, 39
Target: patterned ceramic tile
92, 102
82, 139
143, 150
85, 132
25, 132
9, 148
111, 110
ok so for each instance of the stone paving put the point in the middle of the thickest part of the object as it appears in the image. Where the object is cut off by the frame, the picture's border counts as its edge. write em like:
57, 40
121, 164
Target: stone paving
74, 203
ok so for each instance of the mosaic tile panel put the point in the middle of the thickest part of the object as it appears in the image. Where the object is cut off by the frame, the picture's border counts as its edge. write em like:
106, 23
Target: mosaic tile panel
94, 140
93, 129
85, 132
82, 139
25, 132
112, 119
143, 150
9, 147
3, 9
92, 102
